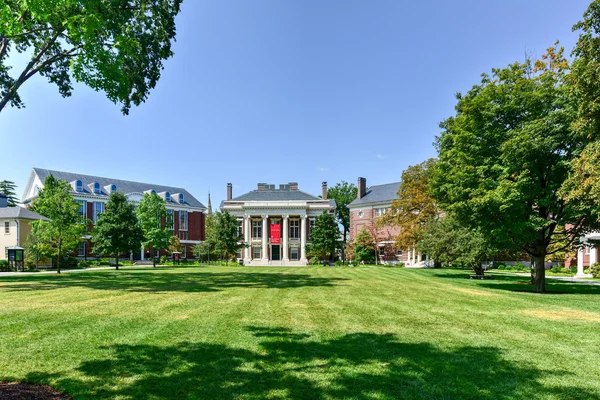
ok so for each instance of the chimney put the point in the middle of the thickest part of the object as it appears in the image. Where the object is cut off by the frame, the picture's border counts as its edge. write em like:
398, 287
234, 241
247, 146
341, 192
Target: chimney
324, 190
261, 186
362, 188
293, 185
229, 191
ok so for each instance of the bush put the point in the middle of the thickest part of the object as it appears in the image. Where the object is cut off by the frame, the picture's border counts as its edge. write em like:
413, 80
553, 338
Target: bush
338, 263
315, 261
30, 264
519, 267
185, 261
400, 265
501, 267
3, 265
595, 270
555, 270
163, 260
565, 270
84, 264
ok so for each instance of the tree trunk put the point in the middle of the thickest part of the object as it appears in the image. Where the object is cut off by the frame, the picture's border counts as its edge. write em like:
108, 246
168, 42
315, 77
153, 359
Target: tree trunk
117, 261
58, 262
540, 272
154, 258
478, 269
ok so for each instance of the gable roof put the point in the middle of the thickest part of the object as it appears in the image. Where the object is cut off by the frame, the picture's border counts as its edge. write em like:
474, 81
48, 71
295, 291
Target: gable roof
19, 213
124, 187
378, 194
275, 195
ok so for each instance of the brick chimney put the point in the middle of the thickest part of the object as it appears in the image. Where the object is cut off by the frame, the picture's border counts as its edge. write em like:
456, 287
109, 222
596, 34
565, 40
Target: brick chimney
229, 191
293, 185
324, 190
261, 186
362, 188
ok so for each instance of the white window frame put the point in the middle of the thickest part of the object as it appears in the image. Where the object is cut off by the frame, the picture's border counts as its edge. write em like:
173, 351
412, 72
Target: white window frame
167, 196
80, 248
295, 257
82, 206
181, 198
7, 227
78, 186
240, 228
97, 188
294, 229
183, 220
172, 214
254, 253
256, 229
97, 210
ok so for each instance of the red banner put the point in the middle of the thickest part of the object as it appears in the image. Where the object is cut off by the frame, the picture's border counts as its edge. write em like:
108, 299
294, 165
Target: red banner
275, 234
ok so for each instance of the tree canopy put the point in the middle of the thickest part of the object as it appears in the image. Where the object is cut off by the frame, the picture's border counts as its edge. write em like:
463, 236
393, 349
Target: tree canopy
63, 231
324, 237
227, 239
153, 216
117, 46
117, 231
343, 193
505, 155
8, 188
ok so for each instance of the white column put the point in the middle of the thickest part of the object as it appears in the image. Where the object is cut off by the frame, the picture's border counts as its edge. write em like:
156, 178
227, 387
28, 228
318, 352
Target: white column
580, 262
247, 239
303, 240
265, 245
593, 255
141, 253
419, 257
285, 238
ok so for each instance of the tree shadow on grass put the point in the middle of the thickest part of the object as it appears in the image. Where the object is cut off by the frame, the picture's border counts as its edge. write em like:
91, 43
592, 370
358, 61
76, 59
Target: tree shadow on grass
146, 281
298, 366
515, 283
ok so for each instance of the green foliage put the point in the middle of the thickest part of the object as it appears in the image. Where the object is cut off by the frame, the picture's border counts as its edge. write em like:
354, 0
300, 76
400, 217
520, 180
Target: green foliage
343, 193
595, 270
323, 237
65, 228
117, 230
8, 188
37, 248
314, 261
117, 47
151, 212
163, 260
225, 237
4, 266
505, 155
363, 248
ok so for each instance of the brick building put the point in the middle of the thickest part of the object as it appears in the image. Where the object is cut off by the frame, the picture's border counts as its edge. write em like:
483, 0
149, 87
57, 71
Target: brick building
92, 192
276, 222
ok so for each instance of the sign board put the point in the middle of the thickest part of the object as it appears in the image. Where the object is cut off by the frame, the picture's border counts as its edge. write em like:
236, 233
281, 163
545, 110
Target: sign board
275, 234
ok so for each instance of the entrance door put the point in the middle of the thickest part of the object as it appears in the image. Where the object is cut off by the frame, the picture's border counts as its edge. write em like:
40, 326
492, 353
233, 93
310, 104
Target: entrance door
275, 256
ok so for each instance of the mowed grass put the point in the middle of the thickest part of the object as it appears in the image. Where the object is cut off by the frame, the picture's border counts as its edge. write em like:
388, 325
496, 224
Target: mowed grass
299, 333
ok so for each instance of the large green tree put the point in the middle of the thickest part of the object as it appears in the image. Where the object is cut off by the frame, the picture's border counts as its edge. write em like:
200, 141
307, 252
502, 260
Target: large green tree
505, 155
414, 206
37, 247
64, 229
343, 193
116, 46
207, 248
227, 238
153, 216
117, 231
8, 188
324, 237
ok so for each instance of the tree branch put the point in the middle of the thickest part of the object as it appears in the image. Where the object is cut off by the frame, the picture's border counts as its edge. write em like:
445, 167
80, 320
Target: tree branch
51, 60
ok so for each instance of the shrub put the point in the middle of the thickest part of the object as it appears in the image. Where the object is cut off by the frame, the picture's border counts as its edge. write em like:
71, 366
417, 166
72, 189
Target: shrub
339, 263
519, 267
400, 265
595, 270
3, 265
84, 264
587, 271
555, 270
565, 270
315, 261
185, 261
30, 264
501, 267
163, 260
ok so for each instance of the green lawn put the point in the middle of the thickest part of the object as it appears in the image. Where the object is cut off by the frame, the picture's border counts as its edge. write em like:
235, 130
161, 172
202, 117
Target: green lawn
299, 333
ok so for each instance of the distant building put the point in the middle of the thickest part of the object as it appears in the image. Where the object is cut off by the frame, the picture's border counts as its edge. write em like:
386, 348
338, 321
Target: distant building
15, 225
371, 204
92, 192
276, 222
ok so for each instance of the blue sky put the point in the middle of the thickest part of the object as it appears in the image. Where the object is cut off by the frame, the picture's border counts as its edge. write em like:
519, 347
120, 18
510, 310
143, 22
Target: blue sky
278, 90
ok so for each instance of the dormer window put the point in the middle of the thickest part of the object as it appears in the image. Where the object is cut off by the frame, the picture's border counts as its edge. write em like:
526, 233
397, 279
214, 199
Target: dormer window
167, 196
79, 186
113, 188
97, 189
181, 198
150, 192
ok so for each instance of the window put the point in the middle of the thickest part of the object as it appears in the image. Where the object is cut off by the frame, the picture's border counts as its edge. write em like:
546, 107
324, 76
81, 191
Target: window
183, 220
82, 209
360, 214
181, 198
380, 211
238, 255
256, 252
183, 235
79, 186
184, 251
170, 220
256, 229
113, 188
98, 209
97, 188
6, 227
240, 228
294, 254
81, 249
294, 229
36, 190
587, 250
399, 252
311, 225
167, 196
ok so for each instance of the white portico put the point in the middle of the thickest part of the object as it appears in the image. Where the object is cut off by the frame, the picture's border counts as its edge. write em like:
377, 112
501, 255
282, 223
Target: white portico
276, 223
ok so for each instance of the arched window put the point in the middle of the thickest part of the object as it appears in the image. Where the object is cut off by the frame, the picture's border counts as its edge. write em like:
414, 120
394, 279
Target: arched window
97, 188
167, 196
79, 186
113, 188
181, 198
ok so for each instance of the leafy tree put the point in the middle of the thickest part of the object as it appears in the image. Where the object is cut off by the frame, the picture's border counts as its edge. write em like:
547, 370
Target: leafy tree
323, 237
37, 248
506, 154
226, 237
175, 245
414, 206
117, 47
118, 230
8, 188
450, 242
362, 248
208, 246
65, 228
343, 193
152, 212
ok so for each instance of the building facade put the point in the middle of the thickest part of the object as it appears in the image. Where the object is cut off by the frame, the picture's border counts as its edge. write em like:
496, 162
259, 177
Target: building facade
91, 192
276, 222
370, 205
14, 225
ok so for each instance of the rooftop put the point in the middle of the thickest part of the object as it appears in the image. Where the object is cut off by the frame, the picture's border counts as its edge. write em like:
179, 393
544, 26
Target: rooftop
378, 194
19, 213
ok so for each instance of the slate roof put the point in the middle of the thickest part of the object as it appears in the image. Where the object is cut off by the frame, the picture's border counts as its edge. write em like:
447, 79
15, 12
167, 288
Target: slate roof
19, 213
124, 187
277, 195
378, 194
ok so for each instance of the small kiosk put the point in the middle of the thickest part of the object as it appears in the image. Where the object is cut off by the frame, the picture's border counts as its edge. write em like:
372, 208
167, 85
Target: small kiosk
16, 258
176, 256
